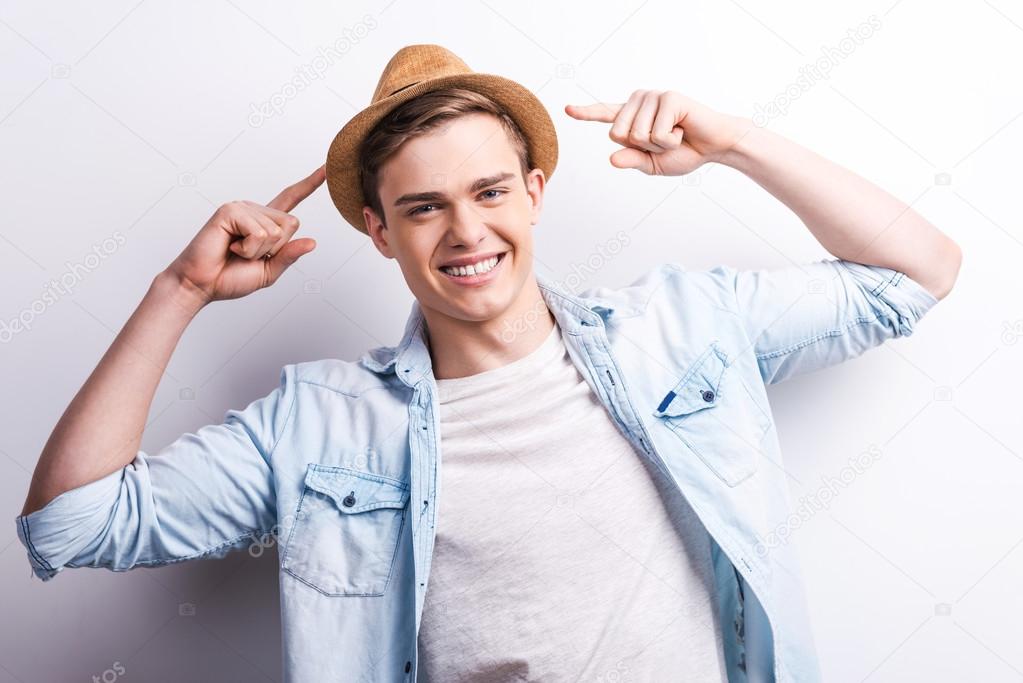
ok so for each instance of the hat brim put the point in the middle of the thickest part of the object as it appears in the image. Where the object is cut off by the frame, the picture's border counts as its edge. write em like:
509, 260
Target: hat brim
523, 106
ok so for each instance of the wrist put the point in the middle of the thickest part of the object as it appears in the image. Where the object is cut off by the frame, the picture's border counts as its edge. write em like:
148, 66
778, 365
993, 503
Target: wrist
744, 139
179, 291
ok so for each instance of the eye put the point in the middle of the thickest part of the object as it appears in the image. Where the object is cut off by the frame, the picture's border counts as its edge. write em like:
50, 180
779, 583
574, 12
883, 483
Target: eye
420, 209
416, 210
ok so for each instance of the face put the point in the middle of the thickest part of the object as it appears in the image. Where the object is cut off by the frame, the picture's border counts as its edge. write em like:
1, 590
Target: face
458, 193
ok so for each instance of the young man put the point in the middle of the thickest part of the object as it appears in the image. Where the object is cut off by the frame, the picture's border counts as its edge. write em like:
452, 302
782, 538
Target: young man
532, 484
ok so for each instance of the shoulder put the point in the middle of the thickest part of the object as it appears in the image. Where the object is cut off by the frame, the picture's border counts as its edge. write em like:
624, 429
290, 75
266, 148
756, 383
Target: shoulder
670, 284
349, 377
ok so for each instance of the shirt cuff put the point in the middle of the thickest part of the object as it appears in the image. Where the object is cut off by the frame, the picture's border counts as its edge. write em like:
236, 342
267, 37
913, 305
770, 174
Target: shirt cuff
905, 299
58, 532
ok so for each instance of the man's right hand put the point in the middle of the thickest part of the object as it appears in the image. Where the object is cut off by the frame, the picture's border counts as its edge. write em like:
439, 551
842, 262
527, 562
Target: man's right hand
225, 259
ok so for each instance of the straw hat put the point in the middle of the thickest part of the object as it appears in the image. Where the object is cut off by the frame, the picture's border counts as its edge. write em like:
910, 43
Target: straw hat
413, 71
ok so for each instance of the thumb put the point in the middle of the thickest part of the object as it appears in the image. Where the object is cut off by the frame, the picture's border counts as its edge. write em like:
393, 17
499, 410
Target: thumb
289, 254
630, 157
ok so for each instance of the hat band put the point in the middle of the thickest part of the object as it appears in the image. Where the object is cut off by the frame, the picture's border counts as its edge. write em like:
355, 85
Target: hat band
402, 88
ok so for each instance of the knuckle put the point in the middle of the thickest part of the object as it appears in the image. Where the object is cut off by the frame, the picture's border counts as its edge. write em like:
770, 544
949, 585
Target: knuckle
233, 209
291, 222
681, 100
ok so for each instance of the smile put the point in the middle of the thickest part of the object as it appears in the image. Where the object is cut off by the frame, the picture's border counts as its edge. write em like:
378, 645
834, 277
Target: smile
475, 273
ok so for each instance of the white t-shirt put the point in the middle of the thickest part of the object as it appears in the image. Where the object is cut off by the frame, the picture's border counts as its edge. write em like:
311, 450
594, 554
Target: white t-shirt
560, 554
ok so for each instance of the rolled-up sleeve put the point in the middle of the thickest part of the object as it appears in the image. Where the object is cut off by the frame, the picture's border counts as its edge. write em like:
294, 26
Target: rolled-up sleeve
807, 317
206, 493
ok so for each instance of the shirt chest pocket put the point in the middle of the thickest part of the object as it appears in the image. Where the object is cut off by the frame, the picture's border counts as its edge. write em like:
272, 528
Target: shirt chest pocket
344, 539
711, 411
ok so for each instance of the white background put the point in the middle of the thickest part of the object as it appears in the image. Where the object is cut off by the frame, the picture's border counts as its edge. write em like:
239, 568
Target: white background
134, 118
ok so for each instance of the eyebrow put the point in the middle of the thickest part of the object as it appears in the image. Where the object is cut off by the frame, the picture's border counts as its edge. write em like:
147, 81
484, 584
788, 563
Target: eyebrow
476, 186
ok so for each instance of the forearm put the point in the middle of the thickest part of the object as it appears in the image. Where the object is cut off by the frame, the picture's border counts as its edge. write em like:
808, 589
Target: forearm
852, 218
101, 429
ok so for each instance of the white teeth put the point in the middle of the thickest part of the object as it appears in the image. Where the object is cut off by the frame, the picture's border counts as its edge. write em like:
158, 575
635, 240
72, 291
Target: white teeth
472, 269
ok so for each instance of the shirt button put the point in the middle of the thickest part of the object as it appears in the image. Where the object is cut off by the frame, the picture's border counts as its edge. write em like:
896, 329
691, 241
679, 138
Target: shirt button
408, 666
708, 395
349, 500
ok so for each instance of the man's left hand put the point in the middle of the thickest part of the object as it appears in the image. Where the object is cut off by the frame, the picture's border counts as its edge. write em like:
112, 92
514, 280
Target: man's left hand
664, 132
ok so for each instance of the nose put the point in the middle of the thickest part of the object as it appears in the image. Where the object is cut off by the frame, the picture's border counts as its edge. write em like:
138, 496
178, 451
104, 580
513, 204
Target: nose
467, 225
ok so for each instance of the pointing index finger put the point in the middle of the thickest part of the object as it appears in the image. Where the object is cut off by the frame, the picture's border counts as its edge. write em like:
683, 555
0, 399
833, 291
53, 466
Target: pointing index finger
599, 111
291, 196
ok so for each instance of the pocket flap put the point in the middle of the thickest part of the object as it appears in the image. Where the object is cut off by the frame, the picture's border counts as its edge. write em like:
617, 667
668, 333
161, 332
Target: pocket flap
699, 387
354, 491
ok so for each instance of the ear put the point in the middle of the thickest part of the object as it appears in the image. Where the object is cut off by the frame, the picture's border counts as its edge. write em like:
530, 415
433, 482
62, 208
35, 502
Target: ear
377, 231
535, 183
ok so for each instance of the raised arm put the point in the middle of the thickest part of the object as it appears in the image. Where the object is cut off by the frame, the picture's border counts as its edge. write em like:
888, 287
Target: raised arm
851, 217
100, 431
667, 133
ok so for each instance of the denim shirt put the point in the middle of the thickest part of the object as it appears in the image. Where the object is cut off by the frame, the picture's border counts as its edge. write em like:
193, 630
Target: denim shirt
341, 462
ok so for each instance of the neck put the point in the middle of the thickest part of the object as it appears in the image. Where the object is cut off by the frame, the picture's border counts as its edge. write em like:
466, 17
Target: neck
460, 348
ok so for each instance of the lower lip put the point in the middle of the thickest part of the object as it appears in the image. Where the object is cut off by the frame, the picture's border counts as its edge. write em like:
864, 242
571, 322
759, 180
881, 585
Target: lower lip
478, 279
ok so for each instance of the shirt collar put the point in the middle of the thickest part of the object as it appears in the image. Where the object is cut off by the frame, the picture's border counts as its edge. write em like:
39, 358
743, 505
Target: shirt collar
410, 358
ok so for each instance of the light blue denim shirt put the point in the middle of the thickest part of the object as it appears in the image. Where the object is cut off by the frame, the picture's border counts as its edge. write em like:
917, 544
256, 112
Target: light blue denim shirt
341, 462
